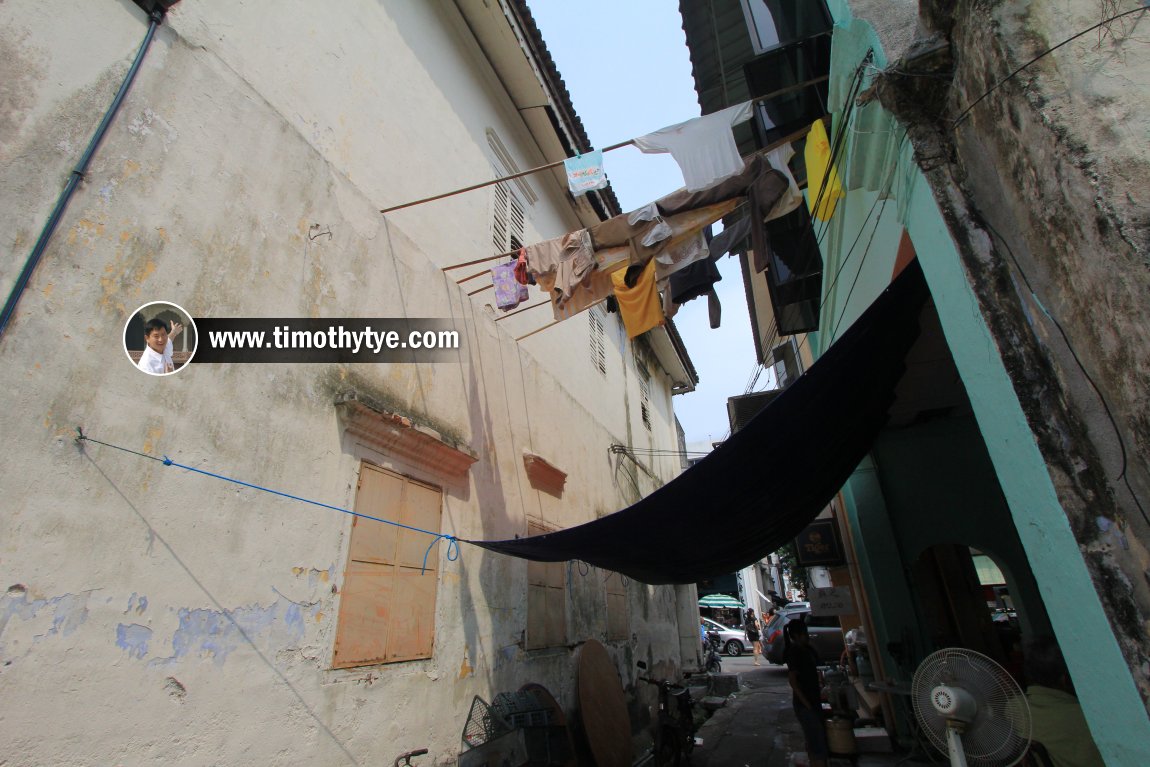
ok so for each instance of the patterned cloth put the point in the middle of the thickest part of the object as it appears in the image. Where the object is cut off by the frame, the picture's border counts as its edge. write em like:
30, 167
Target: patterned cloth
508, 292
585, 173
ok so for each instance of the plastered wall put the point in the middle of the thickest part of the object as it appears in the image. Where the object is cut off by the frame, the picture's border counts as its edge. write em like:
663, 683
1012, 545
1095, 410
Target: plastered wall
154, 615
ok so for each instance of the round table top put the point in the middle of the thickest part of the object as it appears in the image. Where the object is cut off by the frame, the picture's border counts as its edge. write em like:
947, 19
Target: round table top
603, 707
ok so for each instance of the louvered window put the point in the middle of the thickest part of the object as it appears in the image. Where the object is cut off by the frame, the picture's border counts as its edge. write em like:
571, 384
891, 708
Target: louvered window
499, 219
598, 340
508, 220
645, 393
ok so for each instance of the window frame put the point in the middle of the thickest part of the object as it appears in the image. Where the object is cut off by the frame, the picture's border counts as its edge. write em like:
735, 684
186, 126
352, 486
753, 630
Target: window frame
546, 592
377, 584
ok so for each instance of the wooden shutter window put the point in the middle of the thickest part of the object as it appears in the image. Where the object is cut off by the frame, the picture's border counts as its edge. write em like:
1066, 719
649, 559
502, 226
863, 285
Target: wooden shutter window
618, 621
546, 600
387, 607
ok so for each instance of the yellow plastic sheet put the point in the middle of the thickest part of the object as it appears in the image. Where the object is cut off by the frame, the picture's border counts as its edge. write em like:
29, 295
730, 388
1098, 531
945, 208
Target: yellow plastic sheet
820, 172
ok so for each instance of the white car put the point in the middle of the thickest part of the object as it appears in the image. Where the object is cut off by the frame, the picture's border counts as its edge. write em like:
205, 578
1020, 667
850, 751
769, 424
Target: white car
733, 642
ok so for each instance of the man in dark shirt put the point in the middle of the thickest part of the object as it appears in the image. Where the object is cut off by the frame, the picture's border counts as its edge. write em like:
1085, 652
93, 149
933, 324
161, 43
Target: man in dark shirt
803, 674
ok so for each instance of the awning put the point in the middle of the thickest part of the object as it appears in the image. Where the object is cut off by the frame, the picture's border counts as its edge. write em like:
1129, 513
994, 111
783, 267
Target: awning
769, 480
720, 600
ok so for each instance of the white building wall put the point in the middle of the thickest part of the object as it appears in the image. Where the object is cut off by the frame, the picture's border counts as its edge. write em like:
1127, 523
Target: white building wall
157, 616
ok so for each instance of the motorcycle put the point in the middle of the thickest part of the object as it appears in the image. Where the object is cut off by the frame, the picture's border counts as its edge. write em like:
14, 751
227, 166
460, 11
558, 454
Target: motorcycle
712, 662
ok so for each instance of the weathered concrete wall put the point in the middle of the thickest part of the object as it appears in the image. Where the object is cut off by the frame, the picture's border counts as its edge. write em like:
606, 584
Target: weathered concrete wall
1049, 174
160, 616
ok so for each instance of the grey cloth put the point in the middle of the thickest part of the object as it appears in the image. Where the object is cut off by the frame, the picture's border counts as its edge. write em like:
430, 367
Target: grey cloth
735, 186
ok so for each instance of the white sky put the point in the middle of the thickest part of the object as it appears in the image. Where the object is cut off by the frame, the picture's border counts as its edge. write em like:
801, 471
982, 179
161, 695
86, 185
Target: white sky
626, 65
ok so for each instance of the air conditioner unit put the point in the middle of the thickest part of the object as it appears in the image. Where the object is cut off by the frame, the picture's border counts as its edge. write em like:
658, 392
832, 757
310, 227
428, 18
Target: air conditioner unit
740, 410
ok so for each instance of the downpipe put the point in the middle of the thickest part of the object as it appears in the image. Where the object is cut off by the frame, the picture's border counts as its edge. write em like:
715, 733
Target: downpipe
155, 18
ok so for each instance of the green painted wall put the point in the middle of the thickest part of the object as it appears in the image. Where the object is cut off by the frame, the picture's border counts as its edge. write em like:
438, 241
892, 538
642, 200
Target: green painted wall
940, 487
1101, 676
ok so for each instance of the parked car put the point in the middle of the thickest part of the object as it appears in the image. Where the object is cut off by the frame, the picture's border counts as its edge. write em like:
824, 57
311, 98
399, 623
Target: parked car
732, 641
824, 630
795, 607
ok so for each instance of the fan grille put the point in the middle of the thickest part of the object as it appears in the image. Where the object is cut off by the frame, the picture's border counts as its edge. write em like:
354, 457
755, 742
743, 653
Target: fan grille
1000, 731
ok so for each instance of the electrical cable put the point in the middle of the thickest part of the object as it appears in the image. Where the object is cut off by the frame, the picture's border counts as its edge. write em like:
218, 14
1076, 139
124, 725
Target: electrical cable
862, 262
33, 260
837, 146
962, 115
881, 196
1090, 379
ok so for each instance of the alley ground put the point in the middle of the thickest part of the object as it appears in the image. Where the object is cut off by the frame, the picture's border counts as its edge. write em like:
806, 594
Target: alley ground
757, 727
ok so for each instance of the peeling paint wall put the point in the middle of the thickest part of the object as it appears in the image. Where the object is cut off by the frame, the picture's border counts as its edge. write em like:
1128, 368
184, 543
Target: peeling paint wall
1055, 163
203, 611
1041, 190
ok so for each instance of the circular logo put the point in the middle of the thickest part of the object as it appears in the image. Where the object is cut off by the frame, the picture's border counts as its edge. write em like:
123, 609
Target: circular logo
160, 338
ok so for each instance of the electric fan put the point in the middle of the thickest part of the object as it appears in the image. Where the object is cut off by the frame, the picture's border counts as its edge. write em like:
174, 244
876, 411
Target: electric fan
970, 708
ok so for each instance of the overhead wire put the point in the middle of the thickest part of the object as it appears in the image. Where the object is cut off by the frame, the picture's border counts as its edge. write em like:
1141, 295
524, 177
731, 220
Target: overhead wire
962, 115
837, 147
1122, 475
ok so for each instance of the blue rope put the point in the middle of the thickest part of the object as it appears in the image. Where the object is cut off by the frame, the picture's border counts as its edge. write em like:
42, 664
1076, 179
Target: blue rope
452, 541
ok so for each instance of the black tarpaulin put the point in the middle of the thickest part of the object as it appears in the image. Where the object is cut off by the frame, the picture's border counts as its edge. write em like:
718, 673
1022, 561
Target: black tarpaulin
762, 486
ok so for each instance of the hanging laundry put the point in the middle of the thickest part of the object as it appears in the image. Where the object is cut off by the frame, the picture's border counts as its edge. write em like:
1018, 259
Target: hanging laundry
638, 302
670, 308
567, 260
522, 276
780, 159
585, 173
704, 147
823, 187
762, 196
714, 309
697, 279
733, 239
508, 292
659, 229
681, 255
594, 288
732, 187
617, 232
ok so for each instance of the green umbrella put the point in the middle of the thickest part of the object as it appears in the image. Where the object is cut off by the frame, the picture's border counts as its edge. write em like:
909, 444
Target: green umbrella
720, 600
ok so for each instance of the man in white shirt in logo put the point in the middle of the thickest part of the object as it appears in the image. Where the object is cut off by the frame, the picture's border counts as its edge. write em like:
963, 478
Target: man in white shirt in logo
157, 356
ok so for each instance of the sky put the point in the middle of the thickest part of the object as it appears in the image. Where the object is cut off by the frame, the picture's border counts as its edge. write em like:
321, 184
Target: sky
626, 65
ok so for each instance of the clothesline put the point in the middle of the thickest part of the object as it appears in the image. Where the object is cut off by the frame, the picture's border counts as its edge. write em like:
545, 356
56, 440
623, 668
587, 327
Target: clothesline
708, 196
531, 171
499, 180
452, 541
798, 134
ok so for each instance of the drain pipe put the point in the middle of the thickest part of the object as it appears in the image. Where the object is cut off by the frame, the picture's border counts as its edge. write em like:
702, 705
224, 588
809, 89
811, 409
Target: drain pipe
156, 16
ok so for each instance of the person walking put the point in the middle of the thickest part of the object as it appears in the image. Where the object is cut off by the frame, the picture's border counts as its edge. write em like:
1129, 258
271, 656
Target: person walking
752, 631
803, 676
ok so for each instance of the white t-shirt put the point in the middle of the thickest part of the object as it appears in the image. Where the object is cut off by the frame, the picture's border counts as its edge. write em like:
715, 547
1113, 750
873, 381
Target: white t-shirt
780, 159
704, 147
155, 363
